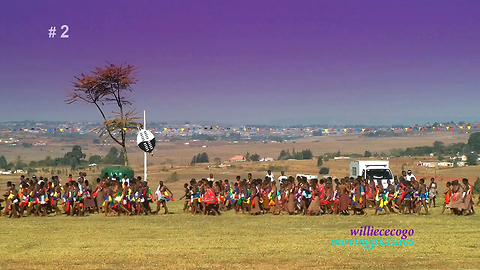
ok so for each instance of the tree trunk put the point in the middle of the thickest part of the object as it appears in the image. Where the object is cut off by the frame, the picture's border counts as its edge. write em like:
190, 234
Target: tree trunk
125, 157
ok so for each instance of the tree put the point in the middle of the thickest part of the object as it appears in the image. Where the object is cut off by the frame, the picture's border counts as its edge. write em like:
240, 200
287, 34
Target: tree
75, 157
455, 164
307, 154
474, 142
476, 186
96, 141
3, 162
297, 155
324, 170
396, 152
284, 155
247, 156
367, 154
173, 177
109, 86
95, 159
439, 147
49, 162
304, 154
255, 157
472, 159
200, 158
204, 157
217, 160
319, 162
113, 157
194, 161
10, 165
18, 164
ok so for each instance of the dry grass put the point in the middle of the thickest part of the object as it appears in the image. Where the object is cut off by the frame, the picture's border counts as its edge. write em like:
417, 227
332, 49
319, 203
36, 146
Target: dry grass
182, 241
230, 241
182, 154
350, 143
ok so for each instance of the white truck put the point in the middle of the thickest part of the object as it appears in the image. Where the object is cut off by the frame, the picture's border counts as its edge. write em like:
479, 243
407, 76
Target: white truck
378, 169
308, 176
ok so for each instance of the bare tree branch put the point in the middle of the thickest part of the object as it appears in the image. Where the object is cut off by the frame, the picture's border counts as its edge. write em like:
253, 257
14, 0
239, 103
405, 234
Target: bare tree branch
108, 85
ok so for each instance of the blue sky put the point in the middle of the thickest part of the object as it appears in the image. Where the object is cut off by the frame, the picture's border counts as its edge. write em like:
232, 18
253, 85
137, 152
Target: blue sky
249, 62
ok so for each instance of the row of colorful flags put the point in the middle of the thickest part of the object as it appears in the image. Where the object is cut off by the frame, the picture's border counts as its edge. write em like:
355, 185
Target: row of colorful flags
255, 129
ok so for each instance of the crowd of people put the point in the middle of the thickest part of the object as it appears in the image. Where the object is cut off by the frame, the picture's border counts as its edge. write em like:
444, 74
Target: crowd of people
110, 196
404, 195
285, 195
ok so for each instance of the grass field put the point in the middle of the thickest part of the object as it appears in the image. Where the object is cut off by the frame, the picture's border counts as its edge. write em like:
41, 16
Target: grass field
234, 241
229, 241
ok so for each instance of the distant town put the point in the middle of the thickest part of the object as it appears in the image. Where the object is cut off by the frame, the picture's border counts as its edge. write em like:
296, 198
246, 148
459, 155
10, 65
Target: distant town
188, 131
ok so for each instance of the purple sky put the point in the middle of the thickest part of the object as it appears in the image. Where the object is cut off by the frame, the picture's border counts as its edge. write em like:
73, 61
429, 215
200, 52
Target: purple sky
249, 62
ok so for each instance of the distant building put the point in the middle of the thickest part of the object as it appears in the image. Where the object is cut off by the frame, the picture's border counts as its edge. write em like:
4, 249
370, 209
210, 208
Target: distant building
426, 164
445, 164
267, 159
237, 158
223, 166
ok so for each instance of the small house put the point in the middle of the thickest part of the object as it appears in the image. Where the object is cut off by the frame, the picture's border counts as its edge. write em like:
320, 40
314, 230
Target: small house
237, 158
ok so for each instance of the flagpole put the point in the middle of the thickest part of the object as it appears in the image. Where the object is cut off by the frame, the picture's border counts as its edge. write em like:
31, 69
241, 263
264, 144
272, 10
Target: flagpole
144, 153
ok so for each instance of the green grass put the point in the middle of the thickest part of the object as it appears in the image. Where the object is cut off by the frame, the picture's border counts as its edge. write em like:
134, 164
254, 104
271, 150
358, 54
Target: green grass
230, 241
